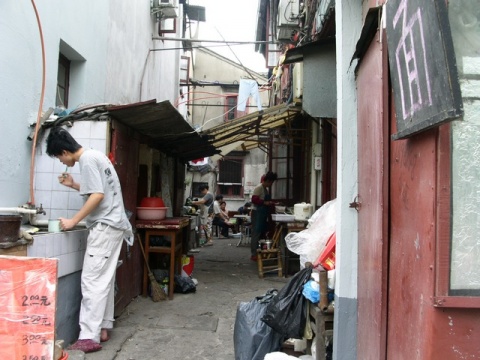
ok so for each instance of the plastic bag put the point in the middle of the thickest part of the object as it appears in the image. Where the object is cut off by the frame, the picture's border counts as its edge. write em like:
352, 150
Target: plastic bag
310, 242
252, 338
184, 285
287, 312
310, 292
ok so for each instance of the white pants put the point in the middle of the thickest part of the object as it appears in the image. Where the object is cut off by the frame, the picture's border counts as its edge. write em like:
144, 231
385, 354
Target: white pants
98, 280
246, 89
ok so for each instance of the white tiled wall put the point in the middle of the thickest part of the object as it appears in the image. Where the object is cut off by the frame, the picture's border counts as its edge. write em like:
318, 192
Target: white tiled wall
56, 199
69, 247
60, 201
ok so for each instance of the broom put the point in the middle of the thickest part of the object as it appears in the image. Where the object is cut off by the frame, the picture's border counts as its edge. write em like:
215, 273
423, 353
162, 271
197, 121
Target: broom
157, 291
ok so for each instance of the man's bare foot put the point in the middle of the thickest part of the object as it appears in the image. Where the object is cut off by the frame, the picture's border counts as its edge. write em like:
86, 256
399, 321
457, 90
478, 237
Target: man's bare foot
104, 335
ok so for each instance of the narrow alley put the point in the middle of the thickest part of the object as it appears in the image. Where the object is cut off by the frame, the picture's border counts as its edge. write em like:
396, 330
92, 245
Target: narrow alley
191, 326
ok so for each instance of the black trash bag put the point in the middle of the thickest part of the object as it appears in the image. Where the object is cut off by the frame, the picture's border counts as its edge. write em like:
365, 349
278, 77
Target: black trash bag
184, 285
287, 312
252, 338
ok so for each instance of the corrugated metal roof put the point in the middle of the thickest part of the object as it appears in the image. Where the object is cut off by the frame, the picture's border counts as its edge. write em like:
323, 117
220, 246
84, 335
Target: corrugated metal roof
165, 127
251, 128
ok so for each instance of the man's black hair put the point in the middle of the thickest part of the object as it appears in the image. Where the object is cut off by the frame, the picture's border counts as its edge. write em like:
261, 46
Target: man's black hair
202, 187
60, 140
270, 176
219, 197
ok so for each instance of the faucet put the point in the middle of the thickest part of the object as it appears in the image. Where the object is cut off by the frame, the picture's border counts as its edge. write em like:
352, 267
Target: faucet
40, 210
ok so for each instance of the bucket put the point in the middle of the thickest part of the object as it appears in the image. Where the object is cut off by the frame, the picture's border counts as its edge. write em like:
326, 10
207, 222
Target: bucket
302, 211
10, 228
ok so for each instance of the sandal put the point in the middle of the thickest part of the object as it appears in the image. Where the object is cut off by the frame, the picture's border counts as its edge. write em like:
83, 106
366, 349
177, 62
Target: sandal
210, 243
86, 345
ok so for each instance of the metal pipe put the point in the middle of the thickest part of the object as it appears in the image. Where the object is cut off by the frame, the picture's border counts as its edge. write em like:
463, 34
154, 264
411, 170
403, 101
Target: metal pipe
163, 38
18, 210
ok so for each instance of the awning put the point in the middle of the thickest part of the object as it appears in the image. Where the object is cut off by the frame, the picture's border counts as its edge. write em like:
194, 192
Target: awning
166, 129
161, 124
296, 54
251, 129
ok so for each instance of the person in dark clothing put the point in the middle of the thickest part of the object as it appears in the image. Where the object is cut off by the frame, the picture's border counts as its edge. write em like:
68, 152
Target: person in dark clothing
219, 218
261, 200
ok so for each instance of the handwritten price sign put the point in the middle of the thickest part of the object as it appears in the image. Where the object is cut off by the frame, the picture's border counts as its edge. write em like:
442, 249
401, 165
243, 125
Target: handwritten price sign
27, 307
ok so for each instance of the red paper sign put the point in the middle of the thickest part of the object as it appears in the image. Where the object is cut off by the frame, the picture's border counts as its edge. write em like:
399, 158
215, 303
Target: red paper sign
27, 307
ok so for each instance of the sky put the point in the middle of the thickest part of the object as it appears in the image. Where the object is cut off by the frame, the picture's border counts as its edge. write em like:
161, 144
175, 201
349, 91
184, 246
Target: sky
232, 20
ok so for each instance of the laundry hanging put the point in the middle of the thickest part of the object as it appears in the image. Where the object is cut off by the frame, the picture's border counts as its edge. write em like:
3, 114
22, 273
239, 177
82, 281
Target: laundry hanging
248, 88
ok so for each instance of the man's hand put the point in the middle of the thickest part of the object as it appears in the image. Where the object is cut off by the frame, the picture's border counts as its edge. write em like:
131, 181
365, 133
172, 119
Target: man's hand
67, 224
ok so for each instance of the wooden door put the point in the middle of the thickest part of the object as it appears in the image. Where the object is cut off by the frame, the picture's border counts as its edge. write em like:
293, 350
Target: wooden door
372, 82
124, 152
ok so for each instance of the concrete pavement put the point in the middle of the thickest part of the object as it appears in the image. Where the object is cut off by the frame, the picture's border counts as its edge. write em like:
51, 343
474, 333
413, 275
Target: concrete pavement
191, 326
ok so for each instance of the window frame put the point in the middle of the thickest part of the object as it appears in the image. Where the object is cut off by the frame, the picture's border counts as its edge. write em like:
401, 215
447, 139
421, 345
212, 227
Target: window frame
66, 64
186, 69
242, 177
228, 108
442, 298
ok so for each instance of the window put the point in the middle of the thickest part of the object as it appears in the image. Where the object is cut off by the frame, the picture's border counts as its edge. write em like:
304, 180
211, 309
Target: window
230, 107
458, 245
230, 176
195, 192
184, 69
63, 81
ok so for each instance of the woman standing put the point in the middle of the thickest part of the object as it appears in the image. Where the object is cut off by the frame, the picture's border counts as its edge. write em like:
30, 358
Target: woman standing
261, 200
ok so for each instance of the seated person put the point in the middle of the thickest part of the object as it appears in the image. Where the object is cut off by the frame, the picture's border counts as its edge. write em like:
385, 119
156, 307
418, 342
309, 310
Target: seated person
220, 218
244, 210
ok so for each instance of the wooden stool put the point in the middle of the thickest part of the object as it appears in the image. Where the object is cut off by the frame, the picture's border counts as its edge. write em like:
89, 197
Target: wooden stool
269, 260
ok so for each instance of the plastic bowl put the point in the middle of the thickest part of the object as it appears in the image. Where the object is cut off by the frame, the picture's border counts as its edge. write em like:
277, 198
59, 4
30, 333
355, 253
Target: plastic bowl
152, 202
151, 213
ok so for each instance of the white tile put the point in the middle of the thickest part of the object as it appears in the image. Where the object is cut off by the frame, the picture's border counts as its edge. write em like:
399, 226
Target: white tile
56, 213
80, 130
62, 265
75, 200
60, 200
44, 164
43, 181
44, 198
50, 243
39, 244
98, 130
32, 250
85, 142
98, 144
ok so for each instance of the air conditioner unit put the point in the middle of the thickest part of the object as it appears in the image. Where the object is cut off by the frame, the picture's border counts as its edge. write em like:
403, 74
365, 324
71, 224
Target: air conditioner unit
285, 34
163, 9
288, 13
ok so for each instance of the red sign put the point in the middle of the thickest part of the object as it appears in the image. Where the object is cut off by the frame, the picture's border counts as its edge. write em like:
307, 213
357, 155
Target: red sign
27, 307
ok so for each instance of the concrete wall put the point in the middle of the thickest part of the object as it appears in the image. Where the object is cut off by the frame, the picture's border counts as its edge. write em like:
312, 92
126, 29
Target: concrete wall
348, 18
211, 67
110, 46
319, 81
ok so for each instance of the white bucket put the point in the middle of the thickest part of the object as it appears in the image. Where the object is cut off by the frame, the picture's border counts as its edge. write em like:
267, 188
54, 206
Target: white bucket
302, 211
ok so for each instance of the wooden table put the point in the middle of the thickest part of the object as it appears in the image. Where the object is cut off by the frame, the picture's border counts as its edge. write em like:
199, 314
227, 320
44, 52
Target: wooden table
176, 229
282, 228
